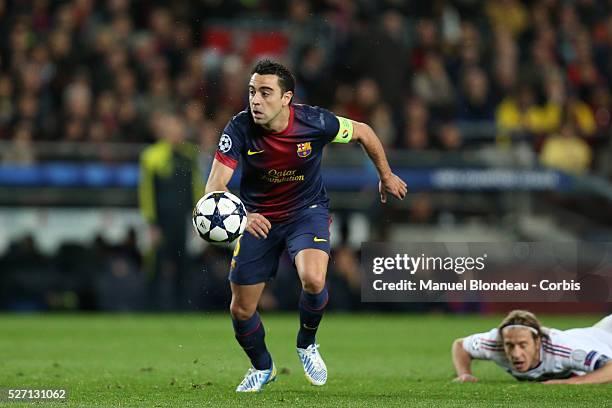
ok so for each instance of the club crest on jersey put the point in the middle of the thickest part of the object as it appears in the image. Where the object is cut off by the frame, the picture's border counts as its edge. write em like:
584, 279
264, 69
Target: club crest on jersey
304, 149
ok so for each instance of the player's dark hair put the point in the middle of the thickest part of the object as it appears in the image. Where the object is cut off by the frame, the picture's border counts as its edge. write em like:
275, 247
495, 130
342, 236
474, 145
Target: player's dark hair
285, 77
522, 318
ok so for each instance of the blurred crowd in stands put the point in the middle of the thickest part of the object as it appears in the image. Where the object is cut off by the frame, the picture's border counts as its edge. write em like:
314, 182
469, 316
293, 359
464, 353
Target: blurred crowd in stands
101, 276
426, 75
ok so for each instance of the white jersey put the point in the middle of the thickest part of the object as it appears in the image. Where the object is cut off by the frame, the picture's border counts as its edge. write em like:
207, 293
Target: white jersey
562, 354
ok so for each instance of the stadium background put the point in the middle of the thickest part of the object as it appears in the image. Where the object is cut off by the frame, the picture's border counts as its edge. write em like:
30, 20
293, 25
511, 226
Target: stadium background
497, 114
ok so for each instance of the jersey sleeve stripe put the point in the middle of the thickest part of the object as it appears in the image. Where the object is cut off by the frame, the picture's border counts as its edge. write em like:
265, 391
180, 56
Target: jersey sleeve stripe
556, 353
226, 160
556, 345
589, 358
485, 347
555, 348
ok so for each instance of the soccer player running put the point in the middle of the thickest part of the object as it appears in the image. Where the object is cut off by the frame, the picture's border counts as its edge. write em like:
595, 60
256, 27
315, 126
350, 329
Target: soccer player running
528, 351
280, 145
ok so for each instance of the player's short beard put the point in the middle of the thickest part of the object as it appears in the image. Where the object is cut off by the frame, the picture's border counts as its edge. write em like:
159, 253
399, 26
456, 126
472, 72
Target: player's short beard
268, 122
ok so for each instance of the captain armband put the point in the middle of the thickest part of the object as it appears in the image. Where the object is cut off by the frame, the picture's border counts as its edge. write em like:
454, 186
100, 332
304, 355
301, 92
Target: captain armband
345, 133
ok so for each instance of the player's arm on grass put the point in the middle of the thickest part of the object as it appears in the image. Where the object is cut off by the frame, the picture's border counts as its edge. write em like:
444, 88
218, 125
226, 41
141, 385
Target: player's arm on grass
602, 375
462, 360
389, 182
218, 179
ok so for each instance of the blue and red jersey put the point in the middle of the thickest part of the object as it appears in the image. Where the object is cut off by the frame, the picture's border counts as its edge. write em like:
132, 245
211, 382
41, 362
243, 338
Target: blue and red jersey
281, 172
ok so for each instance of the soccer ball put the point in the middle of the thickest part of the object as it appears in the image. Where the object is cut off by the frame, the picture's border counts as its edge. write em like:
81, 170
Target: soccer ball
219, 217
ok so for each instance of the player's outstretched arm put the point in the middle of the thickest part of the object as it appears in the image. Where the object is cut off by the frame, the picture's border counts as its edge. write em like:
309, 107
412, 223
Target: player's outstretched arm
462, 362
219, 177
602, 375
389, 182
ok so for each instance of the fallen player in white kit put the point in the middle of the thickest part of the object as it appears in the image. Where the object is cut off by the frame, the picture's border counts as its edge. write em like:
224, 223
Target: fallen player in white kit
528, 351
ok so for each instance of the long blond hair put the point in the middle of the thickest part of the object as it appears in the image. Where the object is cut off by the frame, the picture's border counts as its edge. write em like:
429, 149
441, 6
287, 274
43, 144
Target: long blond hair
522, 318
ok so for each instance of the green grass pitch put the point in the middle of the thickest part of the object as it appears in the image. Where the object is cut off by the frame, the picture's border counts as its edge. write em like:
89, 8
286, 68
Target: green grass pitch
193, 361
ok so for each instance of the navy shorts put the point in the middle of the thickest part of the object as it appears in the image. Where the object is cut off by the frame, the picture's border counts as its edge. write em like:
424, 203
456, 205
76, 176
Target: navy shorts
255, 259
